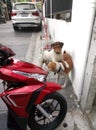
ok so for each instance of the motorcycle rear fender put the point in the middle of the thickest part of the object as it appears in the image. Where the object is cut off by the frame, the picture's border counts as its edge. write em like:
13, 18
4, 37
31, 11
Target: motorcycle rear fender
50, 88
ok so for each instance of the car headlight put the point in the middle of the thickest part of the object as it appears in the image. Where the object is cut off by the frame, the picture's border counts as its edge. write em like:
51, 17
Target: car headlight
40, 77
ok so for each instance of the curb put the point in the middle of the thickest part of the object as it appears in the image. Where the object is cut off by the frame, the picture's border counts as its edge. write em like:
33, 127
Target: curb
31, 48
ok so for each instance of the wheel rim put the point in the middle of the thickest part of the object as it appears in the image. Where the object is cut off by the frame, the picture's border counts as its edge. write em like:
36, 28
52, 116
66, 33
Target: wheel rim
52, 107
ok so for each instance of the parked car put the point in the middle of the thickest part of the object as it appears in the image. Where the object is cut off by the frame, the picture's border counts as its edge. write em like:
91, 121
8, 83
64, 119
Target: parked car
26, 14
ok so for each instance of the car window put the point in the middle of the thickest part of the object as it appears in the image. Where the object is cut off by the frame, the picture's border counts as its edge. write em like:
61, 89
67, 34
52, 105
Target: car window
24, 6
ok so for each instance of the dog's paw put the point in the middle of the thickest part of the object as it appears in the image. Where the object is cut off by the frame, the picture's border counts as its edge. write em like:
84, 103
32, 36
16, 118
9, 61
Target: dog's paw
64, 85
66, 64
61, 65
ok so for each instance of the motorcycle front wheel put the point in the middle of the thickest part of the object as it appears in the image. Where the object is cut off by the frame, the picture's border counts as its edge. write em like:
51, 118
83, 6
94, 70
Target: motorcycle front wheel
56, 106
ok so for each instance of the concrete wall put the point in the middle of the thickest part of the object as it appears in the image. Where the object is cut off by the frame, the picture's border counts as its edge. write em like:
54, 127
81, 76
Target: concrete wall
76, 35
87, 98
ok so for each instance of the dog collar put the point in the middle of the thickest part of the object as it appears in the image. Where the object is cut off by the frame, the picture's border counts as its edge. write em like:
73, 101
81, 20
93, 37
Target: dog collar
58, 70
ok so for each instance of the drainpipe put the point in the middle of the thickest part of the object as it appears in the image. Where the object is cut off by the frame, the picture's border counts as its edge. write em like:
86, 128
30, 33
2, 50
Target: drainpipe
50, 8
93, 12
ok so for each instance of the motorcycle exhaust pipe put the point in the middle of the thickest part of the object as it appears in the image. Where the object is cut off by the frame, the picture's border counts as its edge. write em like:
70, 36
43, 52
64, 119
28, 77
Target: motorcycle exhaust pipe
48, 116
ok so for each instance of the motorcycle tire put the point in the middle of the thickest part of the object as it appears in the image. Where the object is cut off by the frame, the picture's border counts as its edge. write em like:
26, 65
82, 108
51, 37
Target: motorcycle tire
51, 104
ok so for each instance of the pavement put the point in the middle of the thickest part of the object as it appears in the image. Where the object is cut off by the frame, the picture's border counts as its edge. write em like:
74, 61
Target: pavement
75, 119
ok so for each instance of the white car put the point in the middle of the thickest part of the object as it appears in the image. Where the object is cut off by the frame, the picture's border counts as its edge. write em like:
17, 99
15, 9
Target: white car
26, 14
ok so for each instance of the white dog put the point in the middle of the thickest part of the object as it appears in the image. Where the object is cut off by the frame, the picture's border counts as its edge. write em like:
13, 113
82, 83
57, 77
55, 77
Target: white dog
55, 54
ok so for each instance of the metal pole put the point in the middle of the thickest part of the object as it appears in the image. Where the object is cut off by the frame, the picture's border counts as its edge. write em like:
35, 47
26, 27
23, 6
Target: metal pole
50, 8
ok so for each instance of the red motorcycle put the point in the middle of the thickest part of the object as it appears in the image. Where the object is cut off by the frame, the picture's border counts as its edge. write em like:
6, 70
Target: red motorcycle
31, 100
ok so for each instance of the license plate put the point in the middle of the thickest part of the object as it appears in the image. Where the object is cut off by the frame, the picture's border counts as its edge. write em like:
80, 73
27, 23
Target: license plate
24, 15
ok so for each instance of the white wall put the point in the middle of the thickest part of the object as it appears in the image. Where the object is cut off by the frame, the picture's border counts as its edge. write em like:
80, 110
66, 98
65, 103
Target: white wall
76, 36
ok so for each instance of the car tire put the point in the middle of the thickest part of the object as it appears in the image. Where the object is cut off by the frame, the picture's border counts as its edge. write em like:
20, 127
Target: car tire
15, 28
40, 27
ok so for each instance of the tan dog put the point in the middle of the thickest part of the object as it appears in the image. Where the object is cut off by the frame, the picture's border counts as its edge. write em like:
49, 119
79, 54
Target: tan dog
63, 67
67, 57
55, 54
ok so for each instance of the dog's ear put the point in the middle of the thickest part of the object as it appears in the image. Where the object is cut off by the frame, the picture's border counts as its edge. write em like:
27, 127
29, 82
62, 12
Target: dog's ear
61, 44
64, 52
57, 43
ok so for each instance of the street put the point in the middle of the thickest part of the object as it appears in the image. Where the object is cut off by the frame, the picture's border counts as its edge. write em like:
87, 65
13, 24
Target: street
18, 42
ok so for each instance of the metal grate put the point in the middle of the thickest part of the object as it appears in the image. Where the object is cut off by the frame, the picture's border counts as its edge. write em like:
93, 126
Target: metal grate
57, 6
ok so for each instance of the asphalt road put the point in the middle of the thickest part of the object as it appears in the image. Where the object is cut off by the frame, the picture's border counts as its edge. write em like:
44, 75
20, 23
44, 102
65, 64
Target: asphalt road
18, 42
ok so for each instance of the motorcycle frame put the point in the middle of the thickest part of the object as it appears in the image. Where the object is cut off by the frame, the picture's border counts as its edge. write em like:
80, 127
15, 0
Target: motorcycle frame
21, 98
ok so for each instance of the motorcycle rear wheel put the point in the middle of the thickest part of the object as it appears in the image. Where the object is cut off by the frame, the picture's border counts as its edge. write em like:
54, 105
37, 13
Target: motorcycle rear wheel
55, 105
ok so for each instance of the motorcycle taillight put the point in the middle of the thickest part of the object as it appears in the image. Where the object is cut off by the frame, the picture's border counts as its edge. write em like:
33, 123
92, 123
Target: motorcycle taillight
6, 52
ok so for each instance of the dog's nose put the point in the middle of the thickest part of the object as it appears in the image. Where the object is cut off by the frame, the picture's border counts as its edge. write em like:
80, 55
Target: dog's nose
57, 53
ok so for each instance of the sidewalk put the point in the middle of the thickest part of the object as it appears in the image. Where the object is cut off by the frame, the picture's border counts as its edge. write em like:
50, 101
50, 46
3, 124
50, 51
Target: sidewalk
75, 120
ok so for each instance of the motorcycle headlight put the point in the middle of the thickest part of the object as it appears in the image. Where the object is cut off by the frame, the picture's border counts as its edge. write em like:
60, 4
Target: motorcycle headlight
40, 77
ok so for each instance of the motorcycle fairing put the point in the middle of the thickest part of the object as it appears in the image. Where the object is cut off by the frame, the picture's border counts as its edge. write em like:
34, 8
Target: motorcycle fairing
24, 107
7, 73
25, 67
23, 121
50, 88
33, 99
18, 98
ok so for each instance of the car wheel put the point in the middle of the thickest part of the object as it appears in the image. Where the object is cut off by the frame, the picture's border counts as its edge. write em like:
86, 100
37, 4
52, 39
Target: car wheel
40, 27
4, 20
15, 28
